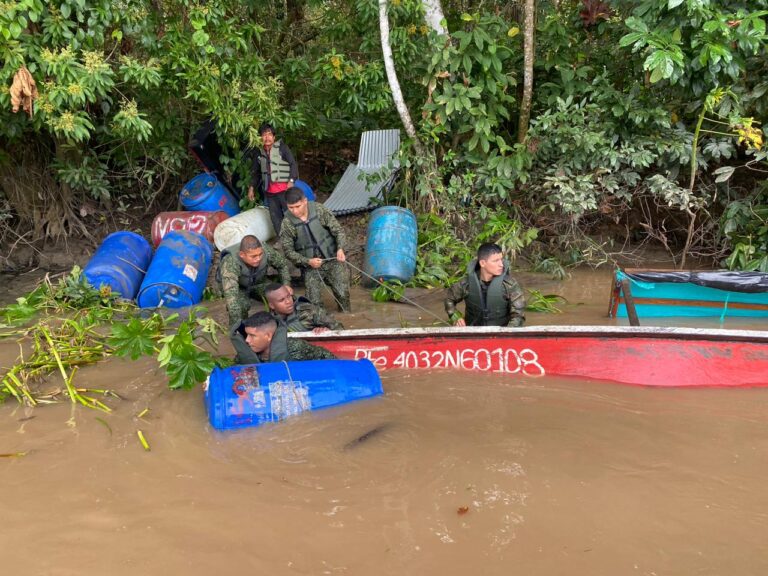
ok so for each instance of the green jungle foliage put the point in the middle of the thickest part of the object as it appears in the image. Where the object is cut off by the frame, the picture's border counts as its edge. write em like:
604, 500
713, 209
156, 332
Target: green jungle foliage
642, 109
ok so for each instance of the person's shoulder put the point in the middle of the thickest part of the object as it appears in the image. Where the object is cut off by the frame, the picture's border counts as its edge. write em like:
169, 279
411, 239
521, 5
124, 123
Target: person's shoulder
322, 209
511, 282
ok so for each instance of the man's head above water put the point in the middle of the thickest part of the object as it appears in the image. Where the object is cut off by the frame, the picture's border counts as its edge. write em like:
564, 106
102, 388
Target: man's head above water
259, 330
280, 299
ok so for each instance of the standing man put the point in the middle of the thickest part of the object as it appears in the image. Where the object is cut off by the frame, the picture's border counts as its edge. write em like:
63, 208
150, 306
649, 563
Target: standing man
243, 276
275, 168
298, 314
314, 241
492, 297
261, 338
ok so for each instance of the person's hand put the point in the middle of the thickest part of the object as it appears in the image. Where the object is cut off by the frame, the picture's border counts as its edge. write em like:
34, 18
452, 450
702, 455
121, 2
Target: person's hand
320, 330
340, 256
290, 288
251, 194
460, 322
315, 262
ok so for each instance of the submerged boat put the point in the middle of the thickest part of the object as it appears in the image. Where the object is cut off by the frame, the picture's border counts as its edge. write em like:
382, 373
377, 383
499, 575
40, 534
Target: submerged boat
650, 356
662, 293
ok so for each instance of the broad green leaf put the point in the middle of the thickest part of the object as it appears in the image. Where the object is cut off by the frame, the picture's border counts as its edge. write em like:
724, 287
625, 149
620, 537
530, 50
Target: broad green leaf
674, 4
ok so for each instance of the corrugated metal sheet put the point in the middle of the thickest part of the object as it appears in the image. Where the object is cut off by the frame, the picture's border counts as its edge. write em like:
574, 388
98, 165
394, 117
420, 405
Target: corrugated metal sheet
376, 146
354, 193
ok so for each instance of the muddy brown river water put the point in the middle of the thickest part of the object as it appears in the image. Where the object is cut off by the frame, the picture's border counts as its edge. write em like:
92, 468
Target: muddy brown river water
467, 474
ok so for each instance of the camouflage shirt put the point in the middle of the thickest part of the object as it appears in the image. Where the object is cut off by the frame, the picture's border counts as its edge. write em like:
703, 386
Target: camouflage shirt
236, 297
288, 235
301, 350
513, 294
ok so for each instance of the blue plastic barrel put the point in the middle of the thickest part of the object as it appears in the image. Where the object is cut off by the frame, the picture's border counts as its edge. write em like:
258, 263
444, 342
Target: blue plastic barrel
178, 272
306, 188
250, 395
205, 193
390, 252
120, 263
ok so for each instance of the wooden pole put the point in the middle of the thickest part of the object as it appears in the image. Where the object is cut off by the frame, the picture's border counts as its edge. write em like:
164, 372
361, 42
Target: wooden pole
629, 301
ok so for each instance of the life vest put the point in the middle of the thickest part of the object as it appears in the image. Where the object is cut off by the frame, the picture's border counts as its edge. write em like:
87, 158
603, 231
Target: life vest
278, 348
273, 167
249, 276
313, 240
493, 310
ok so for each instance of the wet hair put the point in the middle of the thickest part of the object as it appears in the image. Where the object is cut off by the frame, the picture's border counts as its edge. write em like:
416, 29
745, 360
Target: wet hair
294, 195
486, 250
266, 127
262, 321
271, 287
249, 243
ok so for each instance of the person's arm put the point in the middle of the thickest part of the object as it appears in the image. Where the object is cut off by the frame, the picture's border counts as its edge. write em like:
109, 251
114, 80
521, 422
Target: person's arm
516, 302
287, 239
256, 183
455, 294
321, 317
230, 285
279, 263
287, 155
301, 350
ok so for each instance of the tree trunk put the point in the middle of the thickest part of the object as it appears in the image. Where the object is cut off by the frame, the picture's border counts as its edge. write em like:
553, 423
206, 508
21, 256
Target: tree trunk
528, 57
433, 15
394, 83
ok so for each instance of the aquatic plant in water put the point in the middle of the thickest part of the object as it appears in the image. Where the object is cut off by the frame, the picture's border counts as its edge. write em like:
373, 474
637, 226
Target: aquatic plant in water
73, 333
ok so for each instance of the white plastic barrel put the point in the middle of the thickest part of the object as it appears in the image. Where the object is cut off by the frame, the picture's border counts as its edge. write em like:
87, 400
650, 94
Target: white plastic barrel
254, 222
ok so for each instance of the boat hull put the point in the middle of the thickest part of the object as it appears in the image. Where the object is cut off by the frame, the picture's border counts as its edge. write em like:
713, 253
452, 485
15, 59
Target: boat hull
629, 355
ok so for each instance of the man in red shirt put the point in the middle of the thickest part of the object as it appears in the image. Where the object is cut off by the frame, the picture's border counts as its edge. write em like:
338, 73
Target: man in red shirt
274, 171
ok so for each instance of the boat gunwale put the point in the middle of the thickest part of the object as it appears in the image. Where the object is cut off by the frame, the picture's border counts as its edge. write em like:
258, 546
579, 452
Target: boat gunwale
550, 331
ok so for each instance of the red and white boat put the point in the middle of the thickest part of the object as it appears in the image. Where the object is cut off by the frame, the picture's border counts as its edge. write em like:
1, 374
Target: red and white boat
649, 356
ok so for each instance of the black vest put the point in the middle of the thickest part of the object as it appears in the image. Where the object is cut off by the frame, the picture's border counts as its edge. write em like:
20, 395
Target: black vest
313, 240
491, 310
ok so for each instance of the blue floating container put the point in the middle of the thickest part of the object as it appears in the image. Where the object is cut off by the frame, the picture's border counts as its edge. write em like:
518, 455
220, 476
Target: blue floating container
177, 275
253, 394
390, 252
120, 263
205, 193
306, 188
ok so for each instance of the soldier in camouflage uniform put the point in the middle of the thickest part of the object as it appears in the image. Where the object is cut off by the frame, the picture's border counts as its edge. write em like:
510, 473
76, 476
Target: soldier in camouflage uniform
243, 275
261, 338
298, 314
314, 241
492, 297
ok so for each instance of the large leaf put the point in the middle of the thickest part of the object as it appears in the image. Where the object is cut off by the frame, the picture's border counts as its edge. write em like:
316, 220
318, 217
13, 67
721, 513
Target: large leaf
134, 339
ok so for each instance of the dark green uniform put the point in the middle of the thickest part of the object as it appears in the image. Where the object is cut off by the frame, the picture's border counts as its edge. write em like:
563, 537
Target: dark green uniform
240, 283
499, 302
282, 348
320, 237
307, 316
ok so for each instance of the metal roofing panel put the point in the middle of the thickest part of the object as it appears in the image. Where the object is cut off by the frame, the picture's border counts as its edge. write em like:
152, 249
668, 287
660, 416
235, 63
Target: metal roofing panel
376, 147
354, 193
